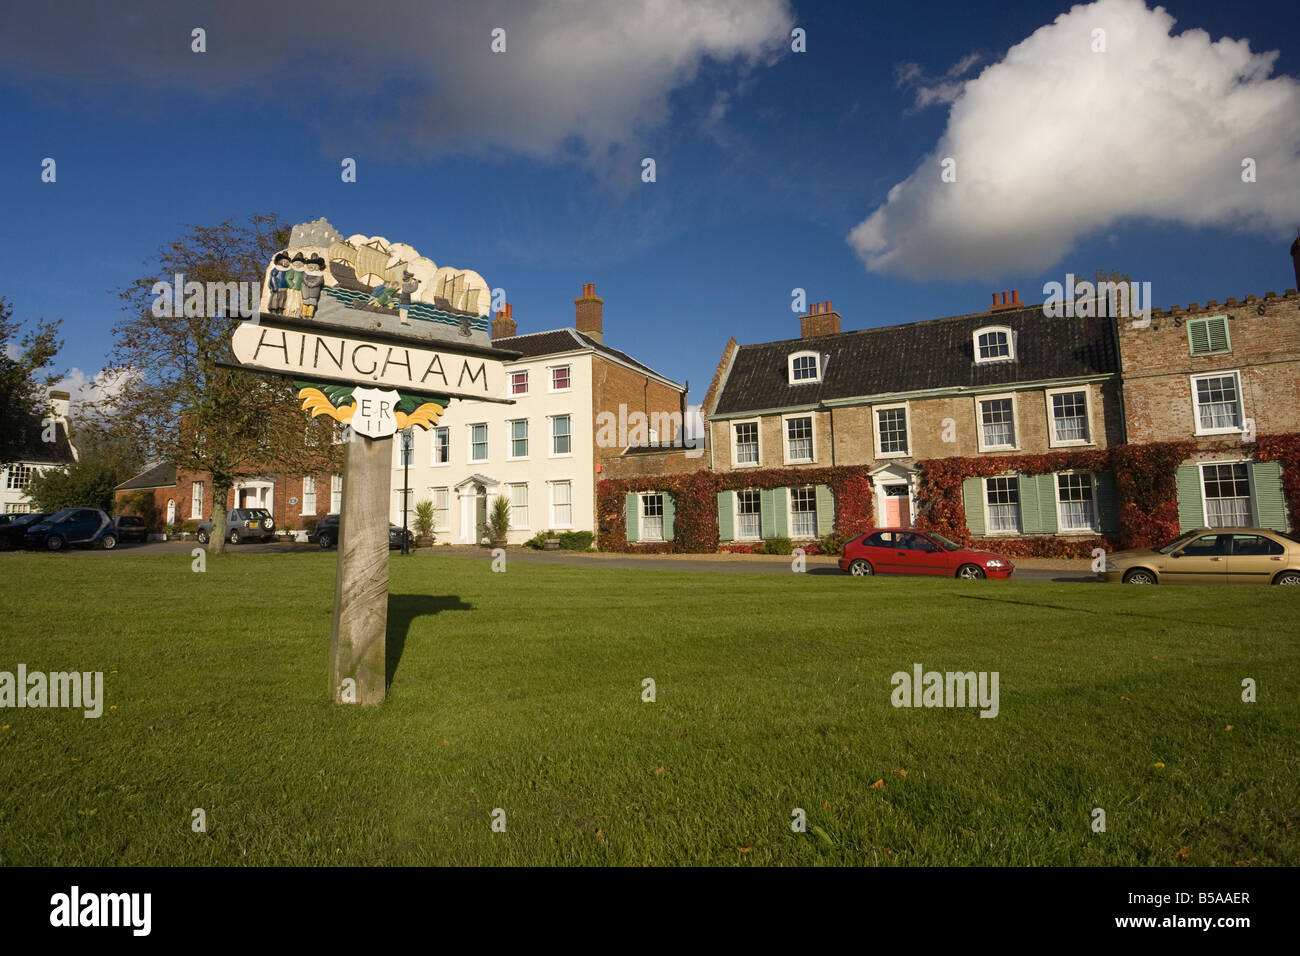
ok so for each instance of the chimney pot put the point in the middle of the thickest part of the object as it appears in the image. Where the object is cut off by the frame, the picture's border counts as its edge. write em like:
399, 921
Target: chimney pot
828, 305
588, 313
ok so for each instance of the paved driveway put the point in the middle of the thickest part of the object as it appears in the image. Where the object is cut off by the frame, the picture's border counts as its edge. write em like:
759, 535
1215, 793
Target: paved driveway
725, 564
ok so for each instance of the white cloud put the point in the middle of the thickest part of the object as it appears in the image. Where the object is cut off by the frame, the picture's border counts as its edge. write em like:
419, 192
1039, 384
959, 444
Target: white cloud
931, 90
1057, 142
576, 79
86, 390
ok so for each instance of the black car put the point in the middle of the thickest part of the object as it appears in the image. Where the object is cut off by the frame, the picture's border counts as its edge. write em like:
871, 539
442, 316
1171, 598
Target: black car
327, 534
12, 531
130, 528
83, 526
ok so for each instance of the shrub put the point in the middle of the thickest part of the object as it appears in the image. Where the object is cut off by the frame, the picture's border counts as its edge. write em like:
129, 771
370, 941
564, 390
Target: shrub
538, 540
577, 540
832, 543
777, 546
424, 521
309, 524
189, 527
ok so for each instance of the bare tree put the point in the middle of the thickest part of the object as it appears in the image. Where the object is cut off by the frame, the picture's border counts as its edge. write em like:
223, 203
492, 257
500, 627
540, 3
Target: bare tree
186, 407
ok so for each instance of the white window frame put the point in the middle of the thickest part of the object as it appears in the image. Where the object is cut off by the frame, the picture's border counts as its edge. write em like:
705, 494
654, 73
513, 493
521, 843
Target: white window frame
735, 514
550, 377
985, 330
641, 515
789, 510
1095, 527
1015, 422
1020, 508
302, 502
510, 439
433, 447
551, 486
907, 423
443, 514
528, 385
1252, 503
196, 500
487, 439
1196, 405
336, 494
1051, 419
510, 490
758, 430
551, 452
785, 438
817, 367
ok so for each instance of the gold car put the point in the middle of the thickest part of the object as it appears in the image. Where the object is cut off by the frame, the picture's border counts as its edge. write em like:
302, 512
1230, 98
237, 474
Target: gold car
1211, 556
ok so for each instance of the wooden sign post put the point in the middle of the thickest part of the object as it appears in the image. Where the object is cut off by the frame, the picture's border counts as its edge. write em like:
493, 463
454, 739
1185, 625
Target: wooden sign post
378, 338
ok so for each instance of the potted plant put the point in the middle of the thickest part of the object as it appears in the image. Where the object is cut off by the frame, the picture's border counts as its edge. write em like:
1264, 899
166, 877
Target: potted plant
551, 542
498, 523
424, 514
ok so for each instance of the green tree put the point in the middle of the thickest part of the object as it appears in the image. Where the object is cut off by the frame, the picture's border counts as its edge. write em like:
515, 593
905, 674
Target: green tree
182, 404
23, 401
86, 483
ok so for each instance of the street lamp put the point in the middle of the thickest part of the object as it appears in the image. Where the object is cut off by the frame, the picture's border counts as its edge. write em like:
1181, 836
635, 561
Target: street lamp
408, 442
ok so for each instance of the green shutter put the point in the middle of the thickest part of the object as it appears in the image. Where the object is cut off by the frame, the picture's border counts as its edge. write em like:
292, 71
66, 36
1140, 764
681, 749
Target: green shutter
767, 512
632, 508
780, 513
972, 497
1031, 520
1208, 336
1103, 496
1191, 511
1270, 505
1047, 502
726, 515
825, 510
670, 512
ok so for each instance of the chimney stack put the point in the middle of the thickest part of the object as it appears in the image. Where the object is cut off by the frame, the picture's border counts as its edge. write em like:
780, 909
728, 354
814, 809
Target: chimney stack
1008, 302
1295, 259
60, 404
503, 326
588, 310
820, 320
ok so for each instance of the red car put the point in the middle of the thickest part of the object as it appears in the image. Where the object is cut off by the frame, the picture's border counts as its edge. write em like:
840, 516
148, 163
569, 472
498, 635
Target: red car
905, 551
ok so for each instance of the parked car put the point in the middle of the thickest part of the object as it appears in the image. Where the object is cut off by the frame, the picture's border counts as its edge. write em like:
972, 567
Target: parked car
81, 526
130, 528
241, 525
12, 531
1211, 556
906, 551
328, 532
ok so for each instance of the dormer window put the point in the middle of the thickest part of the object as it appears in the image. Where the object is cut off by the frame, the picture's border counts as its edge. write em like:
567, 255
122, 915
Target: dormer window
805, 367
994, 344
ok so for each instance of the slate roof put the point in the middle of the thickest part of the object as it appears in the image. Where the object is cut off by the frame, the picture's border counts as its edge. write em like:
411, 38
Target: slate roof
920, 356
537, 344
159, 476
37, 452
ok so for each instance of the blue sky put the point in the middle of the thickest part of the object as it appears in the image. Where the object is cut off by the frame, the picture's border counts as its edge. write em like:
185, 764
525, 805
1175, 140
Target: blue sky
525, 166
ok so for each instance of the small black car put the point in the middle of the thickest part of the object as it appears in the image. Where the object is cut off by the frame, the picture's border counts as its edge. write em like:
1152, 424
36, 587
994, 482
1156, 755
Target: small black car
85, 526
327, 534
12, 531
130, 528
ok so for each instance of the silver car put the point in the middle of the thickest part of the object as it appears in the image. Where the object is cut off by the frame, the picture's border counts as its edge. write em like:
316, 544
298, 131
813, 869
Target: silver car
242, 524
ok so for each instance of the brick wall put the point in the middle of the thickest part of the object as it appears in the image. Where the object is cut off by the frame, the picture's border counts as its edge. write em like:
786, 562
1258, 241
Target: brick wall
613, 385
1265, 349
668, 461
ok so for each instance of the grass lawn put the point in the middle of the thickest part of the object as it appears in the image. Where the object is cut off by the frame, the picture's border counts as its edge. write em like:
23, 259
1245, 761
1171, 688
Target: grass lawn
523, 691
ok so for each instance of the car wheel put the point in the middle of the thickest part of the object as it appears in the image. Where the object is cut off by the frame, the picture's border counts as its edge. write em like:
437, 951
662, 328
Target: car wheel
1139, 576
971, 572
234, 537
55, 542
1289, 578
324, 542
861, 568
108, 542
203, 537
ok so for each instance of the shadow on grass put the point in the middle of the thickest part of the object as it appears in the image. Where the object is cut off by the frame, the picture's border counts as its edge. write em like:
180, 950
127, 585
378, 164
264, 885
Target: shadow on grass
402, 610
1120, 612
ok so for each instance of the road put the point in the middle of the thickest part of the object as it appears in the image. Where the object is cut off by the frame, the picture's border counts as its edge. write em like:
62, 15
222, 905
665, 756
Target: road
730, 564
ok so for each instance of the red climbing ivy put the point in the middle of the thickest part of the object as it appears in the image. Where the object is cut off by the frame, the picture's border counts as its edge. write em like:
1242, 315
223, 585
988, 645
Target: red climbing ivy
1285, 449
